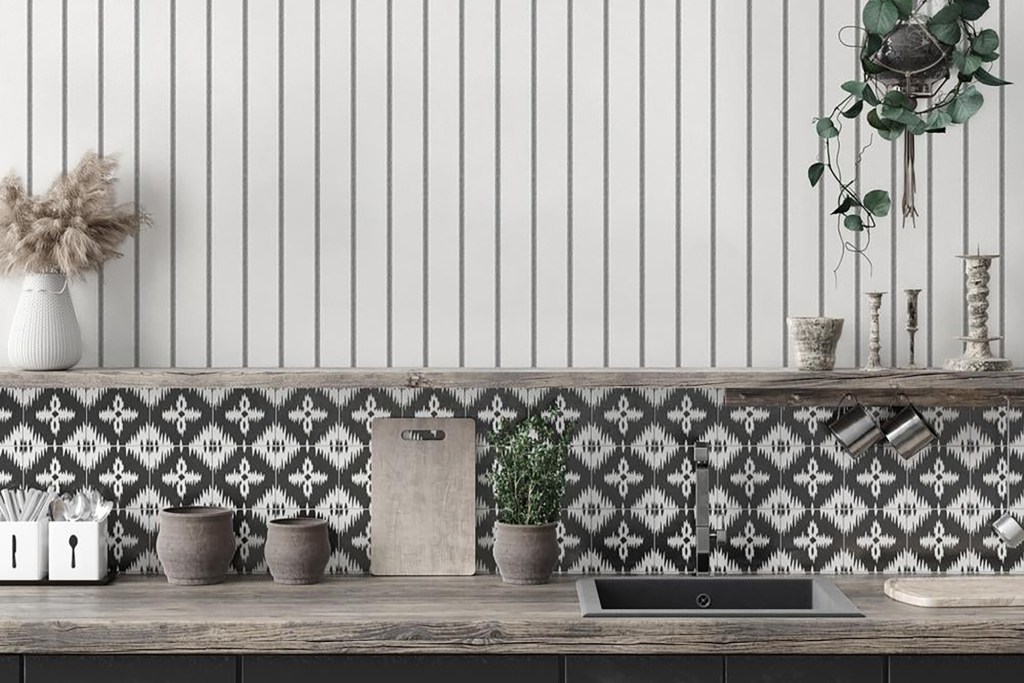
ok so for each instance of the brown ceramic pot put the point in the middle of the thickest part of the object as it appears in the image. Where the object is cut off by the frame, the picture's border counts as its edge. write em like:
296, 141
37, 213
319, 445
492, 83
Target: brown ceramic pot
297, 550
195, 544
525, 554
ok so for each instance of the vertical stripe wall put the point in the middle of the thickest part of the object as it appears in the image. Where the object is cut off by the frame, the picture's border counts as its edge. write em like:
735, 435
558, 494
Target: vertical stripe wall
491, 182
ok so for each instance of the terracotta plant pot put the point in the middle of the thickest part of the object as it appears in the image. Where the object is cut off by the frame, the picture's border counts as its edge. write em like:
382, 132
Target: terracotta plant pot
815, 340
195, 544
297, 550
525, 554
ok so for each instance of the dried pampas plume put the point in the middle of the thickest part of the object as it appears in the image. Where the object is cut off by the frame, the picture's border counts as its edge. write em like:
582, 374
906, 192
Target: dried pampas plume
74, 228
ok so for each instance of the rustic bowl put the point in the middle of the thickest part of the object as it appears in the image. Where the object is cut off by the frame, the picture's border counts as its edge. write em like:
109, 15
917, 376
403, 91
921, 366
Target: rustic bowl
195, 544
297, 550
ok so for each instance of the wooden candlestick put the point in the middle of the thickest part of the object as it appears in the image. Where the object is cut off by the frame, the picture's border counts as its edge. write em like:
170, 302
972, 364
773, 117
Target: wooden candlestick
874, 343
912, 295
978, 354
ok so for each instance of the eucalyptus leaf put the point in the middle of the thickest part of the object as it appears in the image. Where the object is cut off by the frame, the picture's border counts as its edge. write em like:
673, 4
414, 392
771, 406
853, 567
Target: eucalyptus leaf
826, 129
966, 63
815, 172
855, 88
844, 206
888, 129
878, 203
904, 116
986, 42
894, 98
855, 109
906, 8
853, 222
966, 104
869, 95
880, 16
938, 120
972, 10
945, 25
986, 78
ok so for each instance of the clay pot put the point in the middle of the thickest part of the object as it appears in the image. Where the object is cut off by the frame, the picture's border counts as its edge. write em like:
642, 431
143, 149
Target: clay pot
815, 340
297, 550
195, 544
525, 554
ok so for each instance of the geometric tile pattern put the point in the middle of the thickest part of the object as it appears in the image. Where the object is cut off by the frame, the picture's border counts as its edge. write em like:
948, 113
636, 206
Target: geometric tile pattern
784, 497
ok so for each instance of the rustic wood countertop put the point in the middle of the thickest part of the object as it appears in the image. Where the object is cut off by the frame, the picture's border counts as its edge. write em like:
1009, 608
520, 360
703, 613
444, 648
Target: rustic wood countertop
455, 615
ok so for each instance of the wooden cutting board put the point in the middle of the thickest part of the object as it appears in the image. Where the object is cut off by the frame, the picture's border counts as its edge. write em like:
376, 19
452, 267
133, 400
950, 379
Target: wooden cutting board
423, 502
948, 591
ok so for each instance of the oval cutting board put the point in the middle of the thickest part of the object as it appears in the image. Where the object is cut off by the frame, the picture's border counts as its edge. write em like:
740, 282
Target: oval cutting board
948, 591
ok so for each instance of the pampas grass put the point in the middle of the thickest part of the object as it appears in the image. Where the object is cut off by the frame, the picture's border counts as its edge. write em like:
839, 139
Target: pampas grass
74, 228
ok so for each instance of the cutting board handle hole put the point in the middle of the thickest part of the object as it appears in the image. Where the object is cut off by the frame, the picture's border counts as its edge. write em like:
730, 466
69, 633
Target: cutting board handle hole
423, 435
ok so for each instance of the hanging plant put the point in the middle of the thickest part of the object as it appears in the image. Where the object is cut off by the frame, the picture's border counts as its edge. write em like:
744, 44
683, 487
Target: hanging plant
920, 73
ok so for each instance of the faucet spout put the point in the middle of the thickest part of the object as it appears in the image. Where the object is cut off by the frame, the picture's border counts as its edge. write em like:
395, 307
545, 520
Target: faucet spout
706, 537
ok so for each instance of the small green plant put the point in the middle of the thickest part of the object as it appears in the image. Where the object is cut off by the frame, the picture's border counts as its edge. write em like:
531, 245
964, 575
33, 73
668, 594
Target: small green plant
528, 476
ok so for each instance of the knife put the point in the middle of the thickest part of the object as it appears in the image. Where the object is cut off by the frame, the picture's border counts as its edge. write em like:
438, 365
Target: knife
14, 551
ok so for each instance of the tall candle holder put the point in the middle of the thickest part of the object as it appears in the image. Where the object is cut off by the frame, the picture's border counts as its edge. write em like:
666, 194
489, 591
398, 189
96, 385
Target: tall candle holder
912, 328
874, 342
978, 352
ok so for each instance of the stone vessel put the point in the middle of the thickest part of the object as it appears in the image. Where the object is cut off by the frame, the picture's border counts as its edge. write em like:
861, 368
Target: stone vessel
815, 340
525, 554
297, 550
195, 544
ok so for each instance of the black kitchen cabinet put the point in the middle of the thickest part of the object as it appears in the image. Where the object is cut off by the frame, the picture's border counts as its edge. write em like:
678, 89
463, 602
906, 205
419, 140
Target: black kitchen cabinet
956, 668
400, 669
10, 669
804, 669
643, 669
130, 669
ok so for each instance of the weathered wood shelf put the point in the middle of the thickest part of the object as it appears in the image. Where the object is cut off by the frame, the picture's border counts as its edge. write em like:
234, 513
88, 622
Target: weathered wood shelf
357, 615
742, 386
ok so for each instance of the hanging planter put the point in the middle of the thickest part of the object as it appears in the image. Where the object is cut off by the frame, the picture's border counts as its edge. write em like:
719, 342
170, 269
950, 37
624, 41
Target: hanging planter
920, 76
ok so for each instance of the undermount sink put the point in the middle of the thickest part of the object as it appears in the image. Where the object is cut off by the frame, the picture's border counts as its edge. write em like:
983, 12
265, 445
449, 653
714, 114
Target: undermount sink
712, 596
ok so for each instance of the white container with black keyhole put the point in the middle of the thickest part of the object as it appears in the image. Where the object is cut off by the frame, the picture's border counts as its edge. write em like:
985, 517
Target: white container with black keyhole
78, 550
23, 551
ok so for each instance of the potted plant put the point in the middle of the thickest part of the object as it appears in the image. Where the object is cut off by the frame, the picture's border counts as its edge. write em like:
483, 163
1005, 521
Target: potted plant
528, 480
74, 228
919, 78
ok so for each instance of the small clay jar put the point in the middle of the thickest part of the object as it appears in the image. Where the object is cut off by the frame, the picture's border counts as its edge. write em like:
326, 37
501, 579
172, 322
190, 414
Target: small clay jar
297, 550
195, 544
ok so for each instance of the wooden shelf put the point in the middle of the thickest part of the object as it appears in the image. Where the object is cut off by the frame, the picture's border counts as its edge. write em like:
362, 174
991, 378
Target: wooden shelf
745, 386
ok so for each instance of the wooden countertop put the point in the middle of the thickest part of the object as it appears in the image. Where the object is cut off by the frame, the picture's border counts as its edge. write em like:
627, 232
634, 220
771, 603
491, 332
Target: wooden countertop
455, 615
743, 386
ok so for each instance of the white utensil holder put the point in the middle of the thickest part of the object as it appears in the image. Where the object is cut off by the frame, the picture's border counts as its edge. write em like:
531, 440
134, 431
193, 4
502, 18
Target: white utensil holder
23, 551
78, 551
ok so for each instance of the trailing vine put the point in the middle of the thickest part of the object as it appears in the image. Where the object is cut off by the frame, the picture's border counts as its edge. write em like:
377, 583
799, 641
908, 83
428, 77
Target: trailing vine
908, 89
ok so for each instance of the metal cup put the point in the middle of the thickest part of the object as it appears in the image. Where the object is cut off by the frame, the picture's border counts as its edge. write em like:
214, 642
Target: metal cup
856, 430
1009, 529
908, 432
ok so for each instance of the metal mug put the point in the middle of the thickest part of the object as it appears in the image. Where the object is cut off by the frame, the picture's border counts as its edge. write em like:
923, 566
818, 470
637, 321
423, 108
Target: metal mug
908, 432
856, 430
1009, 529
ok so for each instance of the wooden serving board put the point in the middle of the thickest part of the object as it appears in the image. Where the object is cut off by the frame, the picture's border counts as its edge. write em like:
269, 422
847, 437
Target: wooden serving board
980, 591
423, 502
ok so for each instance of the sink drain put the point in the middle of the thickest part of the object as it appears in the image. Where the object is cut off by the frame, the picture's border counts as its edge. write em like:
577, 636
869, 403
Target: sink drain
703, 601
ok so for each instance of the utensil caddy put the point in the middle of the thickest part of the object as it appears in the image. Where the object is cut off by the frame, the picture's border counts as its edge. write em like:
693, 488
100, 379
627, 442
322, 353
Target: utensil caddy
23, 550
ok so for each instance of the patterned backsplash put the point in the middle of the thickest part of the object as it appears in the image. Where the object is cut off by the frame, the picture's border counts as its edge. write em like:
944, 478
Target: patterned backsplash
784, 497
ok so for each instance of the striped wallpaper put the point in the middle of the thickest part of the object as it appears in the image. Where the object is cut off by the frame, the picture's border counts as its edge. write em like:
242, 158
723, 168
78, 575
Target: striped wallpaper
490, 182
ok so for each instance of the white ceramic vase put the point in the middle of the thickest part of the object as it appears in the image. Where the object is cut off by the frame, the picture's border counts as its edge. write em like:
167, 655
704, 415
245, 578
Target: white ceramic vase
45, 333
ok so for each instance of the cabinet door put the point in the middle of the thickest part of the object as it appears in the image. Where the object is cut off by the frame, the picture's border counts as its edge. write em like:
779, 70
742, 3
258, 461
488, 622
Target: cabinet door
643, 669
956, 669
400, 669
129, 669
10, 669
804, 669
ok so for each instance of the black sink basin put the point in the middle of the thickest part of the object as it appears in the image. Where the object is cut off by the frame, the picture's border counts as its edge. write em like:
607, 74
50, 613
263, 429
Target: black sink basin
715, 596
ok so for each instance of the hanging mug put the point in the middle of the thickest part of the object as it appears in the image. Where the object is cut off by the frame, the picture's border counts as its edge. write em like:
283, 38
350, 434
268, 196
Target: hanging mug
856, 430
1009, 529
908, 432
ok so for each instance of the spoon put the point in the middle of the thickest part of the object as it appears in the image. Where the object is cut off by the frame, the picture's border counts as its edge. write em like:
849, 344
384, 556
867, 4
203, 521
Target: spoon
59, 510
79, 507
73, 542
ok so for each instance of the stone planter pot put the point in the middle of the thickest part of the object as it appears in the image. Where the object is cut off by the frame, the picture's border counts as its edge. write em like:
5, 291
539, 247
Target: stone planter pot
195, 544
525, 554
815, 340
297, 550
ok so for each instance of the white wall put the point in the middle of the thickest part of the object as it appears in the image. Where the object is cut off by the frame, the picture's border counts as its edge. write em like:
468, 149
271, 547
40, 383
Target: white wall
334, 193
